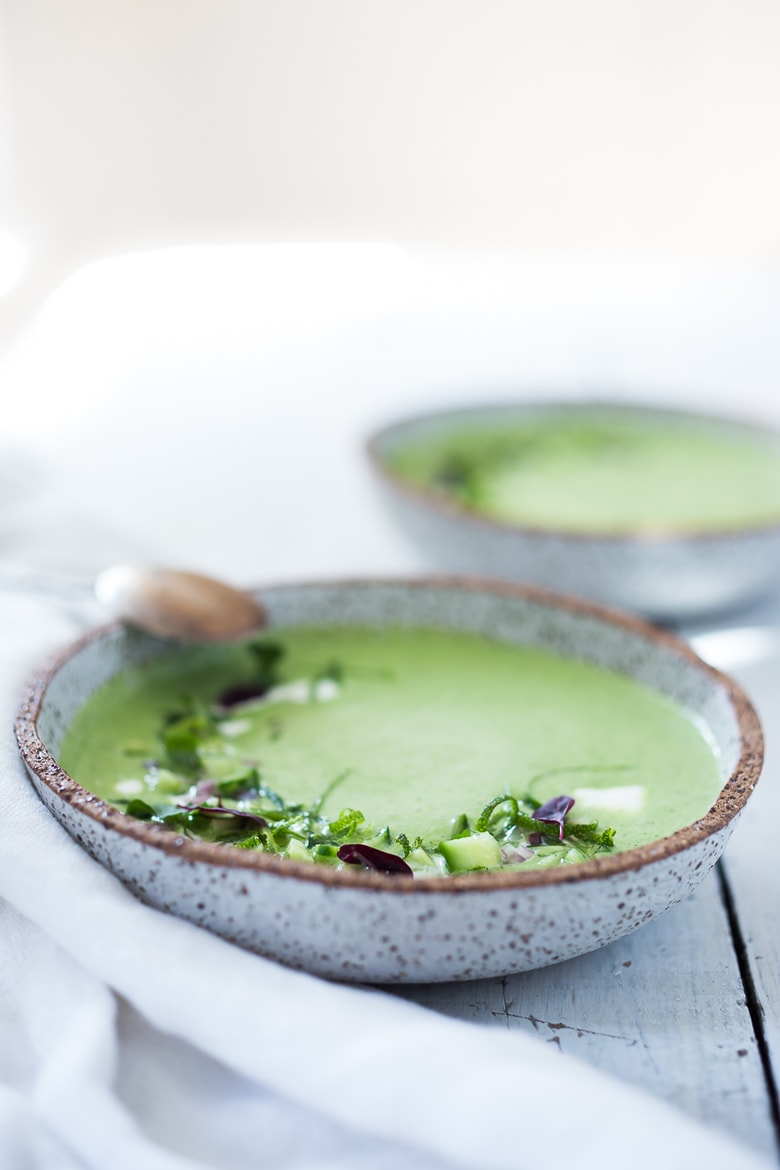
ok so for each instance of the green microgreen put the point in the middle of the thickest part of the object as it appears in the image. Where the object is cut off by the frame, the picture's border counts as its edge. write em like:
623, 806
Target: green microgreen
140, 809
346, 823
266, 655
332, 671
486, 816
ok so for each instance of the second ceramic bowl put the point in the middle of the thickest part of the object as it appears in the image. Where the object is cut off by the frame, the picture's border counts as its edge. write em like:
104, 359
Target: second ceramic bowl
660, 571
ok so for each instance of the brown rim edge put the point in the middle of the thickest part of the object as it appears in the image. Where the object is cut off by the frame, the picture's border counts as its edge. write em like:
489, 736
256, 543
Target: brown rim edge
453, 510
730, 801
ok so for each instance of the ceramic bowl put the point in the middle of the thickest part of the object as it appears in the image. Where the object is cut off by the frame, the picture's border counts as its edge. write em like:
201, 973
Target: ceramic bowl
670, 576
353, 925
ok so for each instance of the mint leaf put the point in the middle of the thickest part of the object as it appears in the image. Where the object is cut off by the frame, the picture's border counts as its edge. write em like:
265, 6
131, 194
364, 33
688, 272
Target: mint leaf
140, 809
346, 823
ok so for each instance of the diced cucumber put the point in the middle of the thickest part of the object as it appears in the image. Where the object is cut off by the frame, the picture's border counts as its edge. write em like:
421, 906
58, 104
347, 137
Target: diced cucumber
329, 854
479, 851
422, 859
219, 765
170, 782
297, 851
548, 859
381, 839
460, 826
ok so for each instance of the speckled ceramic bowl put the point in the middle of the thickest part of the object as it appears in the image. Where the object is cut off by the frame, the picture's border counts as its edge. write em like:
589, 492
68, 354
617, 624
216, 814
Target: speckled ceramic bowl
353, 925
662, 575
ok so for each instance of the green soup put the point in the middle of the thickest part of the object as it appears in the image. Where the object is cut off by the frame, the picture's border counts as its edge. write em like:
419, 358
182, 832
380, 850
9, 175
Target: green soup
600, 469
313, 741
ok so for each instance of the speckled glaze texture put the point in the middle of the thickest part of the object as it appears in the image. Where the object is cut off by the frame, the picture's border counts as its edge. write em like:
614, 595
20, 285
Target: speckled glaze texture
357, 926
663, 576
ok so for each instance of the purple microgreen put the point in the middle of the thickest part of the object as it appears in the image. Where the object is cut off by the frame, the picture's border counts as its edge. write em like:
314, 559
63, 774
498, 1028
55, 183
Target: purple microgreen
242, 693
219, 810
266, 656
205, 789
374, 859
534, 838
554, 811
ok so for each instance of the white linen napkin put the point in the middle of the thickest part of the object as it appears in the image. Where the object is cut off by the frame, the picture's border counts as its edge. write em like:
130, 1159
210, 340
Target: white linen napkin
131, 1038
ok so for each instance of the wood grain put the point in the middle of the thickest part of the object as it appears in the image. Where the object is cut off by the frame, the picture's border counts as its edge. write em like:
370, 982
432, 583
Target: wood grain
663, 1009
751, 864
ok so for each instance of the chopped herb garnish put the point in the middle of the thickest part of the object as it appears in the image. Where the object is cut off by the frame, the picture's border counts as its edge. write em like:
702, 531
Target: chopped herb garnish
486, 816
569, 770
140, 809
408, 846
346, 823
253, 842
182, 736
221, 811
454, 471
266, 656
220, 796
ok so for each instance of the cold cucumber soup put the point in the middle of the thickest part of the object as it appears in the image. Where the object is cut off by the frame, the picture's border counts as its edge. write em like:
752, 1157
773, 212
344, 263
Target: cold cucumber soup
416, 751
598, 469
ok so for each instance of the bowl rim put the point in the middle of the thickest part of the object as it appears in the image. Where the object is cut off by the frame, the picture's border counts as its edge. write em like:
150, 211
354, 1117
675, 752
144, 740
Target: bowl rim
439, 502
730, 801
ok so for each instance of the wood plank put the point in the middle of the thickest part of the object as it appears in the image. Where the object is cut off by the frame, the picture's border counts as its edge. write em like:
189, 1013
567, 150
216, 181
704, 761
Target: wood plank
750, 860
663, 1009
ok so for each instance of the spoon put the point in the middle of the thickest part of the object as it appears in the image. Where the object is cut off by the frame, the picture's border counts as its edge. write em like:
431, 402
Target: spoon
169, 603
175, 604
